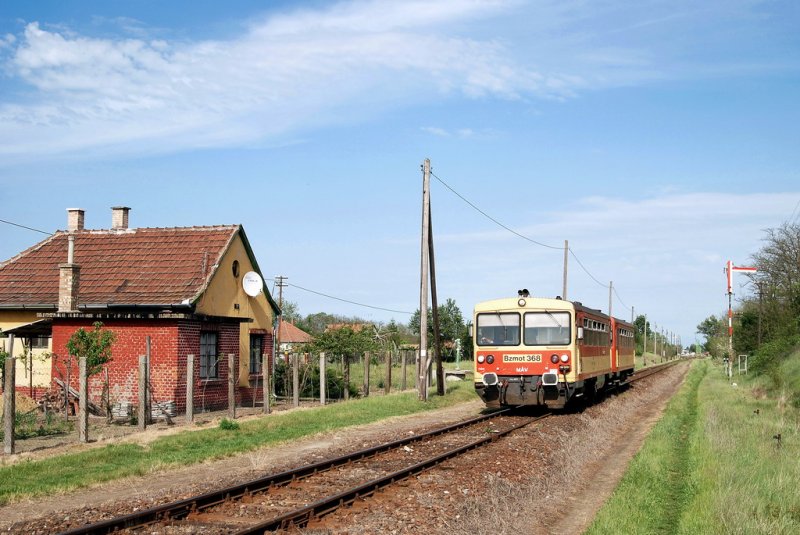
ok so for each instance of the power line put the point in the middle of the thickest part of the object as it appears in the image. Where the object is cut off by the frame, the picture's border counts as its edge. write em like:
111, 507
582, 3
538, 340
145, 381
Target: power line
445, 184
793, 217
618, 297
347, 300
26, 228
586, 270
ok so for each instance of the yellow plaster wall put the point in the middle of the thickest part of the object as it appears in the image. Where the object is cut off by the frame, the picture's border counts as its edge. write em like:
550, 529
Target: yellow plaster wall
225, 291
39, 368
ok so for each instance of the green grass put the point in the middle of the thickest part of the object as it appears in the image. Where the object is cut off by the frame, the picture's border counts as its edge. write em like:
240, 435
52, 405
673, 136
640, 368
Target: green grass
67, 472
711, 464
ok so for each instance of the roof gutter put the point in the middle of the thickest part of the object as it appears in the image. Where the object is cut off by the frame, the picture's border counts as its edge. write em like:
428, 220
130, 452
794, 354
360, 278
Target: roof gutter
27, 307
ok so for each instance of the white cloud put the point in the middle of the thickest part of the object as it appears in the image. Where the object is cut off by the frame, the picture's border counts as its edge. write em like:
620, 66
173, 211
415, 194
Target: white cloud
297, 70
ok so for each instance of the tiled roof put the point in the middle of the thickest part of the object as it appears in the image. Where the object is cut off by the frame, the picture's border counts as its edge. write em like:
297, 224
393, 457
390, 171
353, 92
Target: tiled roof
145, 266
293, 335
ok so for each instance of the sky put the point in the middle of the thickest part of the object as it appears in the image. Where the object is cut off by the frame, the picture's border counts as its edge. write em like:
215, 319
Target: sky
660, 138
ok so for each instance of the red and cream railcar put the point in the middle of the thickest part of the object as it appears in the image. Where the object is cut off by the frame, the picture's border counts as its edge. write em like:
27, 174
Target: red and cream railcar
539, 351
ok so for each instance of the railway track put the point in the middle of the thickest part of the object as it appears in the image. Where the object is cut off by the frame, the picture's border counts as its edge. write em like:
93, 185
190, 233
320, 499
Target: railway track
294, 497
341, 480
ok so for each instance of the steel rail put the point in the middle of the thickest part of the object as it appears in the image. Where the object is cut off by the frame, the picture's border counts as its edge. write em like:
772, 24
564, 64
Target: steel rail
182, 508
300, 517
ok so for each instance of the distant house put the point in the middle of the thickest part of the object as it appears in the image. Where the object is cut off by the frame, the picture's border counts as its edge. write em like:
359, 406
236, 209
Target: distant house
292, 338
180, 288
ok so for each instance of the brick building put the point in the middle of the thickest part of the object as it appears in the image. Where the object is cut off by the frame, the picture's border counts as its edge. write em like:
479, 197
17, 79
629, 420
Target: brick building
181, 289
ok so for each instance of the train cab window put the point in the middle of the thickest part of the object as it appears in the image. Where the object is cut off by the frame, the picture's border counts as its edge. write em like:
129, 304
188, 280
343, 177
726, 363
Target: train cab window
547, 328
497, 329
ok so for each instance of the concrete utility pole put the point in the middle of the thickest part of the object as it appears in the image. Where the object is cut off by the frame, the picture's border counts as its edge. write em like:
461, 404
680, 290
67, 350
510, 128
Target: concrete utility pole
610, 290
423, 291
566, 258
644, 343
280, 282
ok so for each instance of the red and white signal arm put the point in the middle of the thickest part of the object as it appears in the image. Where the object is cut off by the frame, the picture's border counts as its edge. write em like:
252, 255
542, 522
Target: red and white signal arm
730, 268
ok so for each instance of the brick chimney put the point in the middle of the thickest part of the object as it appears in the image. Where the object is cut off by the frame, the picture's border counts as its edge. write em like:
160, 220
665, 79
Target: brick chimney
74, 219
69, 279
119, 217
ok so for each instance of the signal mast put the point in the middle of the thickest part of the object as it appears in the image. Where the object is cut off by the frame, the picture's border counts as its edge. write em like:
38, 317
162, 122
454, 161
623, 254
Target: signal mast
729, 269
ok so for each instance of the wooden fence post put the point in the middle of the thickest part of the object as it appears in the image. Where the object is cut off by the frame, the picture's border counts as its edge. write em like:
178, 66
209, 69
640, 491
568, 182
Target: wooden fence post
265, 375
346, 374
323, 378
142, 415
231, 388
367, 360
295, 380
9, 400
387, 385
83, 401
403, 365
189, 388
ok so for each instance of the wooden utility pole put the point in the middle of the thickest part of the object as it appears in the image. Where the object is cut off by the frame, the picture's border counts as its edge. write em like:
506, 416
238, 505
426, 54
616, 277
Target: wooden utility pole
437, 350
423, 291
566, 259
279, 282
9, 399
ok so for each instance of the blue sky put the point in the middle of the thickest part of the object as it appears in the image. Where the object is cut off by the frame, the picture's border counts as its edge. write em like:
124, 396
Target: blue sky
659, 137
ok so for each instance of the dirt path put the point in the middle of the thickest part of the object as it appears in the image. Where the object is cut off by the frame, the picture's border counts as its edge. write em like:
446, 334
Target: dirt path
139, 492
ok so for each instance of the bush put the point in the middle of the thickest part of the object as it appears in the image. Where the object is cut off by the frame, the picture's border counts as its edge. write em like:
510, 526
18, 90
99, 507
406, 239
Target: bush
228, 425
769, 357
309, 381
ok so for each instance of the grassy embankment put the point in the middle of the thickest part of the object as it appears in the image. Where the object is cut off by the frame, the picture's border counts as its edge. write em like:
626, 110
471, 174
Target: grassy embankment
71, 471
712, 464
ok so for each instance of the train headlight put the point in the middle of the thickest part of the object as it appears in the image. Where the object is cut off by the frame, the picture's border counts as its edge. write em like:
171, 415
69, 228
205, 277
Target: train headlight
489, 359
554, 358
481, 358
564, 358
521, 302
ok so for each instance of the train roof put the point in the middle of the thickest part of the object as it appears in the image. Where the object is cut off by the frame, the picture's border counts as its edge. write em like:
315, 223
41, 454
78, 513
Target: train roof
512, 303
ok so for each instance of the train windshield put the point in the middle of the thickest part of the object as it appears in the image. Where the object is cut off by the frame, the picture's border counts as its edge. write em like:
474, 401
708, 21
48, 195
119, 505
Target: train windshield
547, 329
498, 329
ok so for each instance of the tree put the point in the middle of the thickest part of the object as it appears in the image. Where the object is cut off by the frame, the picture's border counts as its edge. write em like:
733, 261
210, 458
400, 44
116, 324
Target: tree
713, 329
451, 323
346, 342
95, 345
290, 312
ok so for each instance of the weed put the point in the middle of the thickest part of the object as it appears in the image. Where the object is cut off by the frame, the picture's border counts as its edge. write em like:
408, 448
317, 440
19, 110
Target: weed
228, 425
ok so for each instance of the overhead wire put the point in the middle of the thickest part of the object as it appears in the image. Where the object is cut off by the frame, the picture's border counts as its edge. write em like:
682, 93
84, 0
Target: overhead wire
495, 221
445, 184
23, 226
347, 300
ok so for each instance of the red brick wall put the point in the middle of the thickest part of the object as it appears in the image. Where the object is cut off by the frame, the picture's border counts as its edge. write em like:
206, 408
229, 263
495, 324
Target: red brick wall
209, 394
171, 342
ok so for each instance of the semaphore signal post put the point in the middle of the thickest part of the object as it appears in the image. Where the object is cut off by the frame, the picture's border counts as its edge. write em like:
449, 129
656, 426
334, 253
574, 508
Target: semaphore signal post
729, 269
